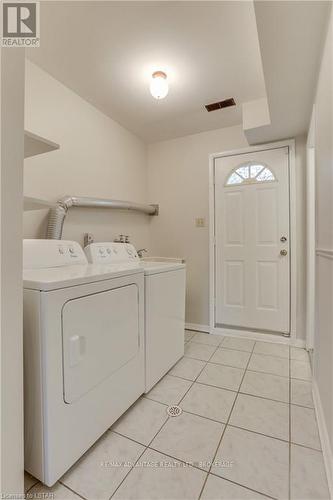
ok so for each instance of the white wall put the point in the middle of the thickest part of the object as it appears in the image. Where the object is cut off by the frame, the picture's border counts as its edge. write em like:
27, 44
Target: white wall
97, 157
323, 337
301, 236
178, 178
11, 188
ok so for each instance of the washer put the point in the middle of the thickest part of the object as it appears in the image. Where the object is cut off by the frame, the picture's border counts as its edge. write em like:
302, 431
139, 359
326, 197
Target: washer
164, 307
83, 351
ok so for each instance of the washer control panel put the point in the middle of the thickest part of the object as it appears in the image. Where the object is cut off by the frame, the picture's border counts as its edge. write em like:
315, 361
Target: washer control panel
111, 253
40, 254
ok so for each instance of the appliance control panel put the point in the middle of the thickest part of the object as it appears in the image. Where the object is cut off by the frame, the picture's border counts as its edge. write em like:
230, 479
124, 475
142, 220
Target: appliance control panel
111, 253
41, 254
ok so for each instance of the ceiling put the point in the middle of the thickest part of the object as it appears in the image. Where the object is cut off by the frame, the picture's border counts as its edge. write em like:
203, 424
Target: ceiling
106, 52
291, 36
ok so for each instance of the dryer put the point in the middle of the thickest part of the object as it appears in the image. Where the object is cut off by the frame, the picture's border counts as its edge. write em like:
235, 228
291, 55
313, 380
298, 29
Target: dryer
164, 306
83, 351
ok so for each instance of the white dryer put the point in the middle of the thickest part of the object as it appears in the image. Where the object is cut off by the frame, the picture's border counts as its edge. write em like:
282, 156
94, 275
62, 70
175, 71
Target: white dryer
83, 351
164, 306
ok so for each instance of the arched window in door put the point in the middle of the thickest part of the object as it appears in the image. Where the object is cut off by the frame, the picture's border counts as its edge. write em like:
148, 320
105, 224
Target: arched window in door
250, 173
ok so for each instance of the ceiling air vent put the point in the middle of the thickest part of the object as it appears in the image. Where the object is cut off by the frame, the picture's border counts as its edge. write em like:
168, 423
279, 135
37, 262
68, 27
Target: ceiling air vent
221, 104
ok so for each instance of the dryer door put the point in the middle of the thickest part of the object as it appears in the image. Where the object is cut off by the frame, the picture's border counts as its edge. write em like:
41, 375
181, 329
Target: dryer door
100, 334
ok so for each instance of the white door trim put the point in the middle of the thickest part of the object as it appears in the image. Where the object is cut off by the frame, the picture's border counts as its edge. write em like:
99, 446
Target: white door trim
12, 66
290, 143
310, 233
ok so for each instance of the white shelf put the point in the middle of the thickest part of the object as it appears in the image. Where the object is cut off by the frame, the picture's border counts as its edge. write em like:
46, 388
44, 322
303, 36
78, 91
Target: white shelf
36, 145
36, 204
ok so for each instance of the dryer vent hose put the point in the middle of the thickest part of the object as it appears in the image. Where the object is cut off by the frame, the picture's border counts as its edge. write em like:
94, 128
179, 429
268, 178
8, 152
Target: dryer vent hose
58, 214
56, 222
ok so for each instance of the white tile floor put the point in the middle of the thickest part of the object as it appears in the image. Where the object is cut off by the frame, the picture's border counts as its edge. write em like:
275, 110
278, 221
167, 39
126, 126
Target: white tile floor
248, 431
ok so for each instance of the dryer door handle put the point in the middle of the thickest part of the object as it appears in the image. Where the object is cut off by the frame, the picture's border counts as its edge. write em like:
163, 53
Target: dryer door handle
77, 349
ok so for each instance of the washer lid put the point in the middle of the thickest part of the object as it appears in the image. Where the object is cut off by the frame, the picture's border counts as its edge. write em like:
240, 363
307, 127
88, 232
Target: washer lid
66, 276
152, 267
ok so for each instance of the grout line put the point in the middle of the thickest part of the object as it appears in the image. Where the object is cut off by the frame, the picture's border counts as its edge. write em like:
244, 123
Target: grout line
307, 447
218, 422
233, 425
264, 495
196, 342
262, 397
266, 354
159, 430
238, 426
259, 433
229, 366
225, 427
70, 489
157, 401
241, 392
33, 485
129, 438
177, 376
193, 382
233, 349
207, 473
268, 373
206, 418
202, 383
215, 364
202, 369
302, 379
303, 406
241, 368
129, 471
146, 447
190, 464
197, 359
196, 331
256, 353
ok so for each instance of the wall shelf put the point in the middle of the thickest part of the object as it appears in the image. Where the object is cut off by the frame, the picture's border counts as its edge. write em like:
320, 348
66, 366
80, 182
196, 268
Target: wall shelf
35, 145
36, 204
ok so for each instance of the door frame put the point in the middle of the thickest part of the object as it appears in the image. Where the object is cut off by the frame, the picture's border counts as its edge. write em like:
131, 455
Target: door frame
12, 70
311, 231
290, 143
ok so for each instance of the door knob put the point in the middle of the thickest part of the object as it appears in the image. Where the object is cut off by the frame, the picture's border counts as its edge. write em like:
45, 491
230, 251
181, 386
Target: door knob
283, 252
283, 239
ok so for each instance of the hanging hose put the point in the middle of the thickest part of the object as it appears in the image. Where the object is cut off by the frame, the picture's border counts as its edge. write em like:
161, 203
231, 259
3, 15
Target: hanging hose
56, 223
58, 214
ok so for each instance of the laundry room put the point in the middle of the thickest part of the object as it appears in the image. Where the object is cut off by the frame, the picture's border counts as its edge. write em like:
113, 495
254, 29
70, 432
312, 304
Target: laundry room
173, 339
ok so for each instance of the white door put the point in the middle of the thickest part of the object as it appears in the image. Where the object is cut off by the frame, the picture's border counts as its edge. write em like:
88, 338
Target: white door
252, 251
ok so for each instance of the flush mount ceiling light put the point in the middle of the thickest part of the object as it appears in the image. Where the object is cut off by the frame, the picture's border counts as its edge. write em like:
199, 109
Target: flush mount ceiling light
159, 87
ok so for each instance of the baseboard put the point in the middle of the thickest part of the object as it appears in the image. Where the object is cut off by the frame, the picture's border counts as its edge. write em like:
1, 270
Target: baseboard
265, 337
246, 334
324, 437
197, 327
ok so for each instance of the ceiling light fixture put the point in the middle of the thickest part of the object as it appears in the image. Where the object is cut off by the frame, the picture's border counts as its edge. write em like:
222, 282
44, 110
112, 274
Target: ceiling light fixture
159, 87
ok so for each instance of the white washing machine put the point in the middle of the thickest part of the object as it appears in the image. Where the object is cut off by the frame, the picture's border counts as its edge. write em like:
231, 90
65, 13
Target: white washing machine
83, 351
164, 307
